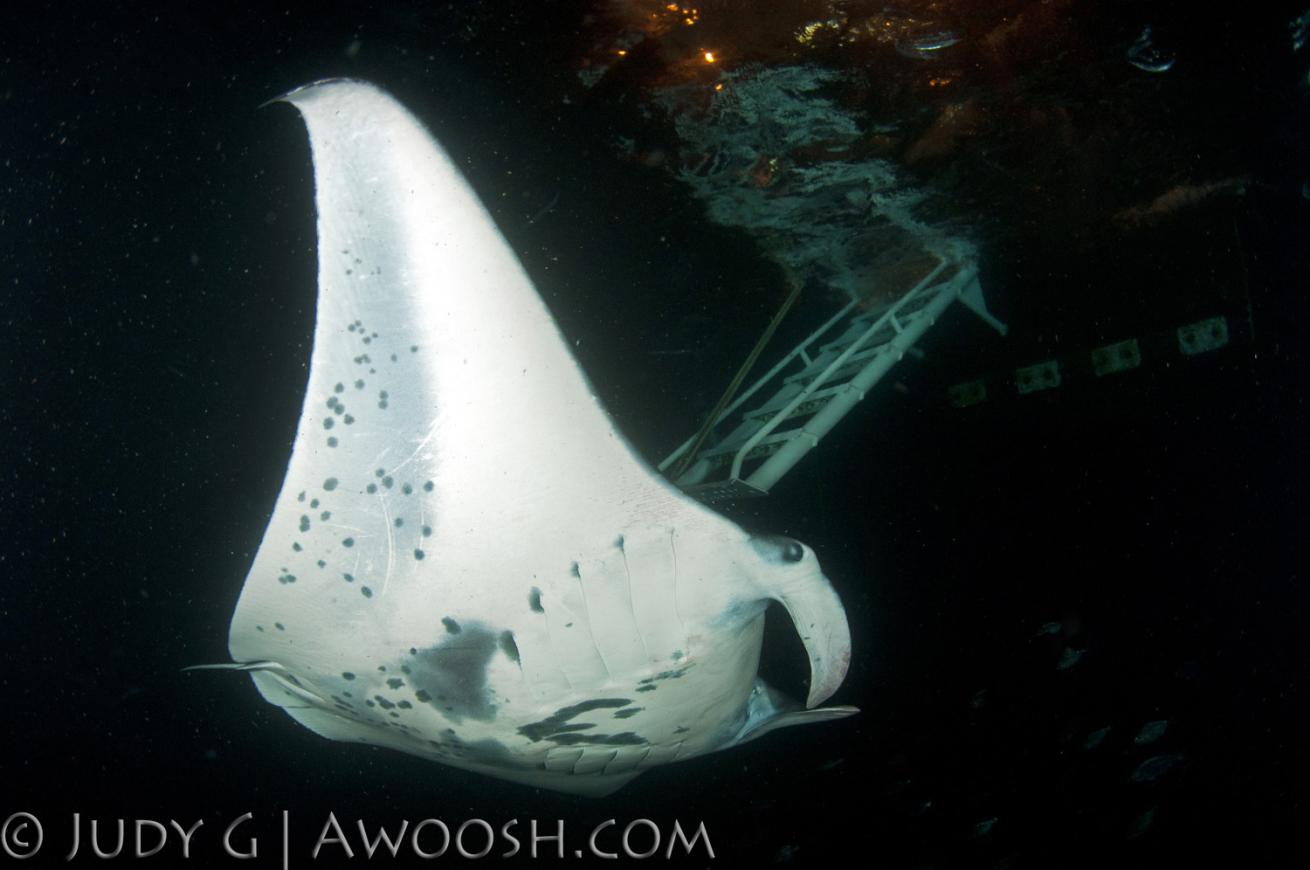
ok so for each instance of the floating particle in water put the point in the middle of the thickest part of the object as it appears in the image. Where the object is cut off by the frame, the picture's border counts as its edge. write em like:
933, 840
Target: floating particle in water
1096, 738
1151, 732
1300, 28
1142, 823
1069, 657
1153, 768
1050, 628
1149, 57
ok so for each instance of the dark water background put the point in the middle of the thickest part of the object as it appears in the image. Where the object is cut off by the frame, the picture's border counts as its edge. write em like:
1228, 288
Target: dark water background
158, 245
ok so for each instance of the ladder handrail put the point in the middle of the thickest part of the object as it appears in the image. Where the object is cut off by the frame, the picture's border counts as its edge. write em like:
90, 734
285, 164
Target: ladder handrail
888, 315
764, 379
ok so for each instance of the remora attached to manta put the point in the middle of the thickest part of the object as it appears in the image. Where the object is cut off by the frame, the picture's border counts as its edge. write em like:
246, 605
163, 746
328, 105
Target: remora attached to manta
467, 561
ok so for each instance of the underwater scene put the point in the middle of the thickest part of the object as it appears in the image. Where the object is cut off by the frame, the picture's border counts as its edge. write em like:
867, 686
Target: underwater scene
747, 432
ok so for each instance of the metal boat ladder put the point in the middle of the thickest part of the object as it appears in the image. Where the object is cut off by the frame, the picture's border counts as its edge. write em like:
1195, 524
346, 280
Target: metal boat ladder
815, 385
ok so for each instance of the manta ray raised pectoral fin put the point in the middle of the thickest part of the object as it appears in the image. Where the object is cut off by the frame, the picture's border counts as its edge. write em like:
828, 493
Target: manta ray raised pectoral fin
467, 561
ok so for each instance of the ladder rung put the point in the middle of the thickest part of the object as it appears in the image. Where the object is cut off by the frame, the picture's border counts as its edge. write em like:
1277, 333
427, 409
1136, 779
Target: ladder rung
774, 440
857, 359
821, 397
840, 342
720, 491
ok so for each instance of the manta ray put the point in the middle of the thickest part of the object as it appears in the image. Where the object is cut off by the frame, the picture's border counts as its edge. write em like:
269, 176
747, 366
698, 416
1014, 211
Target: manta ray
467, 561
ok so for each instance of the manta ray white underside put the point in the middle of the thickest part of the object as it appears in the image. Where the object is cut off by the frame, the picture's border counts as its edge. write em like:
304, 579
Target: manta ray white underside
467, 561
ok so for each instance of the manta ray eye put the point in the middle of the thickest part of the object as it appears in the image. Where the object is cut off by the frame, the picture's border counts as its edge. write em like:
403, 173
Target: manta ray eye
778, 550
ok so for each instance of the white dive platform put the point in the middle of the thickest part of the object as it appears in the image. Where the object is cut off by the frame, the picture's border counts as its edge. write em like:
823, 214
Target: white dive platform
784, 414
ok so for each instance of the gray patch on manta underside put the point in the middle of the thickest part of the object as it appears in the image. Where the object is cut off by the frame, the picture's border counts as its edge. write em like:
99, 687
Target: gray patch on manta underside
555, 726
451, 677
488, 750
627, 738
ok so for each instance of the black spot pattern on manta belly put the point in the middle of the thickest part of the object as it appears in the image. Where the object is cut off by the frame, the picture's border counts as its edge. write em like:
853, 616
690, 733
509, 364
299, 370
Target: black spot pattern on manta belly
509, 647
454, 673
555, 726
662, 675
534, 600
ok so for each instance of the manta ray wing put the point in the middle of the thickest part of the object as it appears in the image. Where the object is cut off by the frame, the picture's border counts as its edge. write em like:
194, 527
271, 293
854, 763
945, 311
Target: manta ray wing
467, 561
